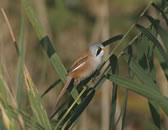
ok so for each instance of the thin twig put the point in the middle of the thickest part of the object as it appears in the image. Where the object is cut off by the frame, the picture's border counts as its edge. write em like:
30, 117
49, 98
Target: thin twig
10, 30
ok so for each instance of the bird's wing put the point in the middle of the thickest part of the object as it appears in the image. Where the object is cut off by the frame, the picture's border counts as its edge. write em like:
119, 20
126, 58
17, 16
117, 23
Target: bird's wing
79, 62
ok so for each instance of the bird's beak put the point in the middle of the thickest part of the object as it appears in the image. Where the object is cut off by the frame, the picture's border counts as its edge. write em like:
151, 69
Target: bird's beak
104, 49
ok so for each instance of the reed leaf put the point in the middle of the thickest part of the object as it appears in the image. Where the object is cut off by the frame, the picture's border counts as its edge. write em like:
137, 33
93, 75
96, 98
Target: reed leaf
114, 68
142, 89
140, 73
154, 40
58, 125
9, 122
130, 75
158, 50
20, 75
163, 34
79, 109
6, 121
113, 39
146, 77
124, 109
3, 93
29, 121
2, 125
48, 46
36, 103
161, 11
51, 87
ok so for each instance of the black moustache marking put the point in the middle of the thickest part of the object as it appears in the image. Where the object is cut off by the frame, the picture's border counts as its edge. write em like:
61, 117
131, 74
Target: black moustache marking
98, 51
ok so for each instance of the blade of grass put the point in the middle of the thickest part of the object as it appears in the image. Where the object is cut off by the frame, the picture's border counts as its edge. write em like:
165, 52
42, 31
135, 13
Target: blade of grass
17, 117
29, 121
113, 39
81, 86
45, 42
10, 30
140, 73
79, 109
69, 109
2, 125
71, 85
161, 11
14, 113
61, 109
51, 87
114, 67
154, 108
35, 101
142, 89
6, 119
2, 87
124, 109
141, 47
130, 52
163, 5
9, 122
20, 75
145, 77
159, 52
154, 40
19, 94
155, 114
163, 34
48, 46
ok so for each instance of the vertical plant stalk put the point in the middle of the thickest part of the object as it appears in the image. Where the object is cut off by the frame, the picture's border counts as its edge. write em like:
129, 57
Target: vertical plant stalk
105, 97
34, 98
18, 105
114, 67
20, 88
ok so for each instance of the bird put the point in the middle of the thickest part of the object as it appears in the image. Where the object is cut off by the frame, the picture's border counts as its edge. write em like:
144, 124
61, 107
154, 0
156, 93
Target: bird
84, 66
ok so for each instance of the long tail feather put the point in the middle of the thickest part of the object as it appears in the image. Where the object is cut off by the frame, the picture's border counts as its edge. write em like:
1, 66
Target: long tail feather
68, 80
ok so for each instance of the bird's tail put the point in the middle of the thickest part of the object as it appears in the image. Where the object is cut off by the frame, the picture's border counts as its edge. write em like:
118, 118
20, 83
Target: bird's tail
68, 80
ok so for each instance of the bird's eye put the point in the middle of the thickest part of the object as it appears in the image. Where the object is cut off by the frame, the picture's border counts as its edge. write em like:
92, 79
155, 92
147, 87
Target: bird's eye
98, 51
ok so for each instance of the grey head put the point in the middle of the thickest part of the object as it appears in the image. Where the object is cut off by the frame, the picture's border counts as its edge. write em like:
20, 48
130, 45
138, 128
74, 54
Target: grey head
97, 49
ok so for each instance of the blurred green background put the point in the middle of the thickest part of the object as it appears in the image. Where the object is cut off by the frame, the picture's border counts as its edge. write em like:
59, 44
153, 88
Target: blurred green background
72, 25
